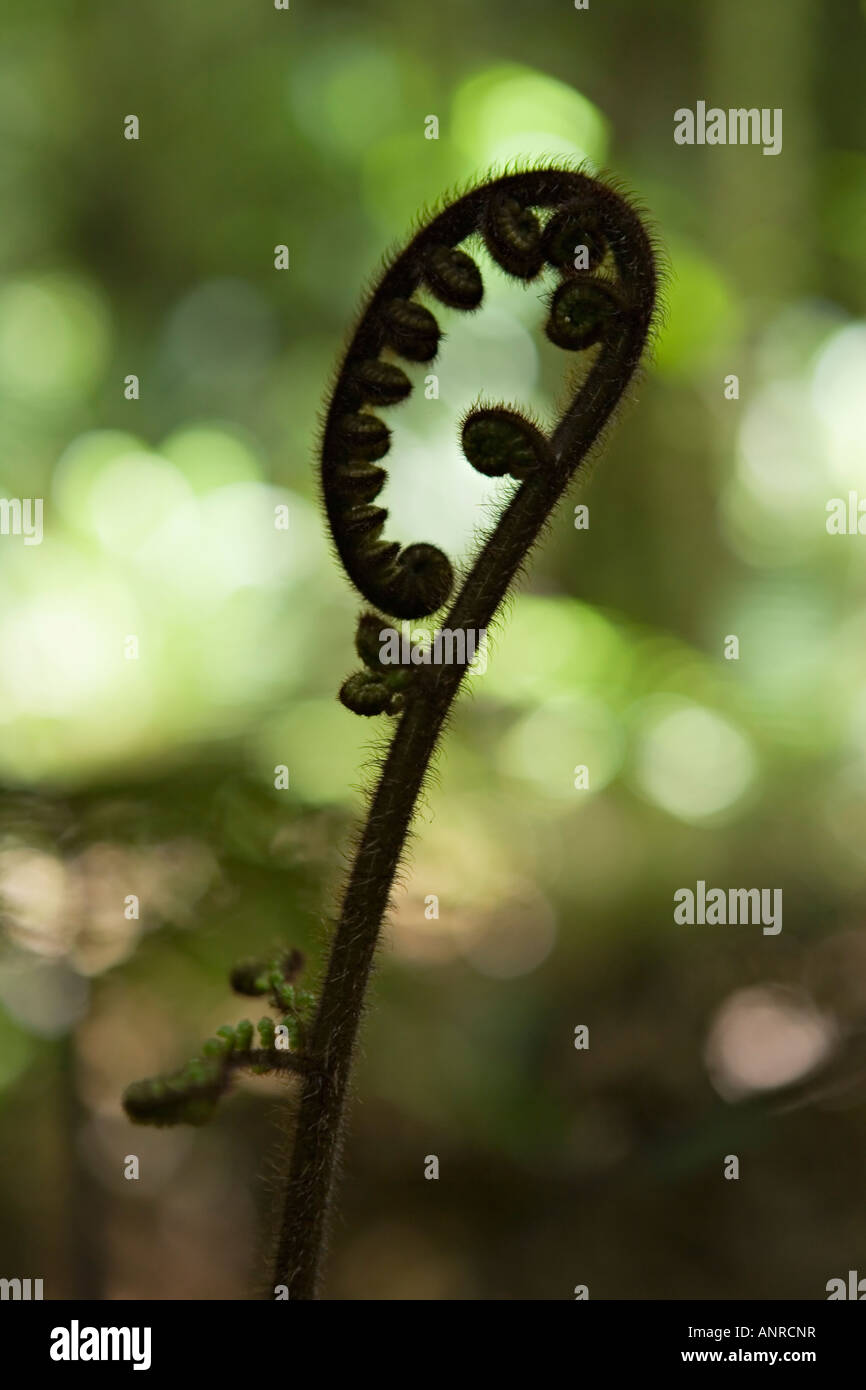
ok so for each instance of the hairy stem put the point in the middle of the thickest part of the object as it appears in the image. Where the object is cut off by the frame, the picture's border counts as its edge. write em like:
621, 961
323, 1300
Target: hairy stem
320, 1114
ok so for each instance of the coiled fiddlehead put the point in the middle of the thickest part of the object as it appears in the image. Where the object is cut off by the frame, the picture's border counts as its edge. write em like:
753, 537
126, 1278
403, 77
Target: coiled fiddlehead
609, 301
604, 300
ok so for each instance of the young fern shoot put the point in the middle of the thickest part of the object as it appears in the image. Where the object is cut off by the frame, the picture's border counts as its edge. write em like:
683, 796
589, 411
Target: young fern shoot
190, 1096
603, 302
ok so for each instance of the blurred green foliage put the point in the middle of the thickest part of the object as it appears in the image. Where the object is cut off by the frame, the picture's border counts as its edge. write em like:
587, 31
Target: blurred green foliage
155, 777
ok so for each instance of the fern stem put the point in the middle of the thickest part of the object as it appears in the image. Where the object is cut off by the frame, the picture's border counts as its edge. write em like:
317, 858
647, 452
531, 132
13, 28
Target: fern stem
321, 1110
